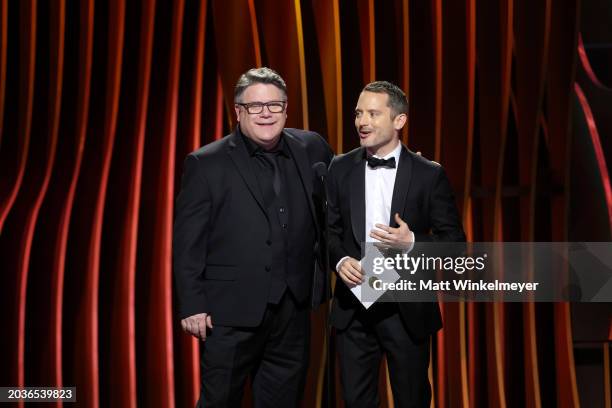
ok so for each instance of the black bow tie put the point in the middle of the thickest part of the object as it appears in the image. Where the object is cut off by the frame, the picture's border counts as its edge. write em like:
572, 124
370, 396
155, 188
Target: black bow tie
375, 162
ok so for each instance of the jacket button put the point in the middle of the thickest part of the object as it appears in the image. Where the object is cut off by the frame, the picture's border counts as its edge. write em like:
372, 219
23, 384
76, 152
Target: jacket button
269, 242
268, 268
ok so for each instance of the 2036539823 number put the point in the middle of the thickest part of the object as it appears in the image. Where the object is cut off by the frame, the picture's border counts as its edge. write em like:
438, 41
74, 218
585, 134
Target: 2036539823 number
30, 394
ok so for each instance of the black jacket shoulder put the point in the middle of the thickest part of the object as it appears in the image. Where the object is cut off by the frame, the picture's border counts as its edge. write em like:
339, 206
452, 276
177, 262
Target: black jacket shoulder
312, 141
346, 161
421, 164
213, 148
317, 147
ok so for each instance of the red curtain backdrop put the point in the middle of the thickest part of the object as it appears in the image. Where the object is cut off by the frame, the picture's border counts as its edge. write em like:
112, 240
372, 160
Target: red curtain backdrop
100, 101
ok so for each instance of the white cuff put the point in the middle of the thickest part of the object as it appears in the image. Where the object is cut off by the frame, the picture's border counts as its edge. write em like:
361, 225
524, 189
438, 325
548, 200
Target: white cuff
340, 261
411, 244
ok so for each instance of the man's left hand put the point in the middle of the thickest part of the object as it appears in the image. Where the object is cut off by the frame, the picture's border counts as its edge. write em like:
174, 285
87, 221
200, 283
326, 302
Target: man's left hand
400, 237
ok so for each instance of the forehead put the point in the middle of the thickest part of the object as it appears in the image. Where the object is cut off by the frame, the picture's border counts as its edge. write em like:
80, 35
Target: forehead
372, 100
262, 93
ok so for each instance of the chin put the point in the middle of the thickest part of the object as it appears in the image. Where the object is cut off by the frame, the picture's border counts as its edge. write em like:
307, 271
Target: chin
367, 143
268, 136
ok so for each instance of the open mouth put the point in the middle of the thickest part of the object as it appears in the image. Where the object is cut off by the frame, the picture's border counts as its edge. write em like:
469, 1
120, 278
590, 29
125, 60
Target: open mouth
266, 124
363, 133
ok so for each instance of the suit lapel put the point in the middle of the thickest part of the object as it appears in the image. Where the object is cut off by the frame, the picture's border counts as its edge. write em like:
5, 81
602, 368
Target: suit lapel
357, 196
401, 185
298, 151
240, 157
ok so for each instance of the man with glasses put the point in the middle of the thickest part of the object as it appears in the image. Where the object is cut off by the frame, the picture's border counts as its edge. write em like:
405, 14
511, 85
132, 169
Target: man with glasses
245, 237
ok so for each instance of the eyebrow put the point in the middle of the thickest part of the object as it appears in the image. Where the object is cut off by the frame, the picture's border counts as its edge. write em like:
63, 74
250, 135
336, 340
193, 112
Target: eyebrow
357, 110
262, 103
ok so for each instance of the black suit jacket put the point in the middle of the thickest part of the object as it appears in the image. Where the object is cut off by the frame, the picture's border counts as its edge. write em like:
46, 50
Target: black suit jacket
221, 228
423, 198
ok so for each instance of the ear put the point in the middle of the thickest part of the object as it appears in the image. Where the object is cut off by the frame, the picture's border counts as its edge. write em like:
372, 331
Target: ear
237, 110
399, 121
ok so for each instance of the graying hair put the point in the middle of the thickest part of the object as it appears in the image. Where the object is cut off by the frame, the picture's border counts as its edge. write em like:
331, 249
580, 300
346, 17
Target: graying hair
263, 75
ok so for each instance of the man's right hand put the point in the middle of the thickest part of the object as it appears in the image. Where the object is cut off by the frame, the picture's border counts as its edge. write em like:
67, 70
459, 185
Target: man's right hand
196, 325
350, 272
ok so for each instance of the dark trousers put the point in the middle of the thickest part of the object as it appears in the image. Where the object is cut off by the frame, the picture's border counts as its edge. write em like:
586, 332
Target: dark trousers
274, 354
372, 333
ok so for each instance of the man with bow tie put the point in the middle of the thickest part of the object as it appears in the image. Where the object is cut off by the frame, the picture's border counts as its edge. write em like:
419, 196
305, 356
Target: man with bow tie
383, 192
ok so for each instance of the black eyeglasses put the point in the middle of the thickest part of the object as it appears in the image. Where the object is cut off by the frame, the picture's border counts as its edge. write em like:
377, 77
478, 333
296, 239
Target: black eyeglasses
255, 108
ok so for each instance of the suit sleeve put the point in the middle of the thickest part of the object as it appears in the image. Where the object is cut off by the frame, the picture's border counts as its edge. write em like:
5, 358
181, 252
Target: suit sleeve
336, 226
327, 154
444, 218
192, 218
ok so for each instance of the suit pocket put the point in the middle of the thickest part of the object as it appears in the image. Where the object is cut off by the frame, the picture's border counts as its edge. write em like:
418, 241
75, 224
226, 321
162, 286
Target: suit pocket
221, 272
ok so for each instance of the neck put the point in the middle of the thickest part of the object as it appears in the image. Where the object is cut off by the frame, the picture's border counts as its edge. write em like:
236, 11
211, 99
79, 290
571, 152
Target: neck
383, 150
271, 145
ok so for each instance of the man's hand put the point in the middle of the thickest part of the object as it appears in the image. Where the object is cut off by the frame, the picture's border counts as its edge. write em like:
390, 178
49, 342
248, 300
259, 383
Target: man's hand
196, 325
350, 272
400, 237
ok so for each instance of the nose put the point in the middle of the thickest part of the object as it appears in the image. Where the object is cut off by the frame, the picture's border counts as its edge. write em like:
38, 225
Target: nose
265, 113
362, 120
